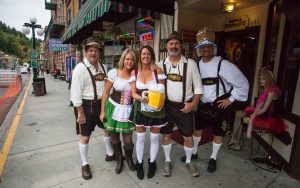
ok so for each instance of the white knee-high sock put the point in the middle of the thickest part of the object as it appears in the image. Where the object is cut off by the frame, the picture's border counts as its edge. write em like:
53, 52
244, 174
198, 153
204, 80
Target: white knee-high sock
83, 150
139, 146
216, 148
188, 154
196, 143
167, 151
108, 146
154, 146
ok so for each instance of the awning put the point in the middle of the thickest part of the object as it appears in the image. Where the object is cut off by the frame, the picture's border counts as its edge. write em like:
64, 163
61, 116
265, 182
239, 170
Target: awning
91, 11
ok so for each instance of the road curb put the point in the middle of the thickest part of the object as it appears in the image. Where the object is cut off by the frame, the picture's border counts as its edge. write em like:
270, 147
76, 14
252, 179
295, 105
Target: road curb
9, 129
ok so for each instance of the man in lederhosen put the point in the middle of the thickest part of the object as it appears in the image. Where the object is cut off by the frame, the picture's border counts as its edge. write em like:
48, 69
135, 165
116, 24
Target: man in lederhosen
183, 90
223, 84
86, 91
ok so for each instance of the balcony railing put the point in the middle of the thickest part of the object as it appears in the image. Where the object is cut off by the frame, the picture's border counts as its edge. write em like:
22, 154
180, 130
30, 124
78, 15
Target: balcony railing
55, 28
50, 5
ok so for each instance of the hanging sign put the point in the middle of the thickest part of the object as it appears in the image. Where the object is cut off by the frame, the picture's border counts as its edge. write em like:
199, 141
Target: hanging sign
236, 23
33, 54
146, 36
56, 45
34, 63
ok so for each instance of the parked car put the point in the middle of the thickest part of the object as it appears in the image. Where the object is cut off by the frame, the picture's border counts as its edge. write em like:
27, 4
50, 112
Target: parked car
23, 69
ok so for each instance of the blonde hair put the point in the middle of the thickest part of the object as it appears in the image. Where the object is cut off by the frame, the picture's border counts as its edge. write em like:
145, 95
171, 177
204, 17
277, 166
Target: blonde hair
123, 56
268, 77
150, 49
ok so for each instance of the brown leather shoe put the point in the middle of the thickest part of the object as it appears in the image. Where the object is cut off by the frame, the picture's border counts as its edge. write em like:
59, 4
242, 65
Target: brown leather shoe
167, 169
86, 172
110, 158
192, 169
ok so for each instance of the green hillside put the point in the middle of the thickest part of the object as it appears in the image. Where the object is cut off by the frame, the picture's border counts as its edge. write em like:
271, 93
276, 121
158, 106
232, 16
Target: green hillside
15, 43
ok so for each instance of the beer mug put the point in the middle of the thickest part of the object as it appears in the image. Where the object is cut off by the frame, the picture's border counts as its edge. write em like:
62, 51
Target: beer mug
155, 96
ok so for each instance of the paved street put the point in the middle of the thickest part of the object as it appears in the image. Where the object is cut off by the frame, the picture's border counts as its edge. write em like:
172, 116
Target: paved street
6, 105
45, 154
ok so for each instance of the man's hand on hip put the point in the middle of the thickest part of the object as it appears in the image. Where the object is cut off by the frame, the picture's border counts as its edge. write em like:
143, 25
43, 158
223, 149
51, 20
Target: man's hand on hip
188, 107
223, 104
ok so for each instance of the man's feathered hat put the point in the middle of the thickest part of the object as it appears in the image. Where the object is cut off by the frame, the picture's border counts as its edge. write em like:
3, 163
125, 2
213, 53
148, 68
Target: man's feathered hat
205, 36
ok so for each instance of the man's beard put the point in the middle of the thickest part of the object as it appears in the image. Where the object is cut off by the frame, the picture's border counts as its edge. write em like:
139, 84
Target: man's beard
174, 52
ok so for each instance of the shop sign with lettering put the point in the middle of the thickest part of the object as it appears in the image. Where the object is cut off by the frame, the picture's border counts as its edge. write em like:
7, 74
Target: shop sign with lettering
56, 45
237, 23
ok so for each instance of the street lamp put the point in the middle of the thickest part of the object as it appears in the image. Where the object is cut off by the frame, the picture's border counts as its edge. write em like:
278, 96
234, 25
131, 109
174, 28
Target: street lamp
39, 84
40, 32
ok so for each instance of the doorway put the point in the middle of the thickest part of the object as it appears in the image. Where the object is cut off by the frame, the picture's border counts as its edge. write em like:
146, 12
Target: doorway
240, 48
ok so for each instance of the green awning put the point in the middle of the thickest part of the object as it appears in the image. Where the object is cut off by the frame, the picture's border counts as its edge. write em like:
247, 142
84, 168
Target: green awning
91, 11
94, 12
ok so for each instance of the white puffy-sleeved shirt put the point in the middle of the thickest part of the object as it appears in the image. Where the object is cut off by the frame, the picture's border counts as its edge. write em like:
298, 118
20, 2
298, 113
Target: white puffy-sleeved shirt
193, 80
82, 85
119, 84
231, 76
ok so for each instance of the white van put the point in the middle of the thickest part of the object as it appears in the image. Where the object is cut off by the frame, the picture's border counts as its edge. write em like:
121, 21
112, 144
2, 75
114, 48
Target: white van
23, 68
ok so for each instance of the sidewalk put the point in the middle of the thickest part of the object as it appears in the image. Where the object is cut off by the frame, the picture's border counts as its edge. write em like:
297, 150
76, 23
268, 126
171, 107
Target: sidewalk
45, 154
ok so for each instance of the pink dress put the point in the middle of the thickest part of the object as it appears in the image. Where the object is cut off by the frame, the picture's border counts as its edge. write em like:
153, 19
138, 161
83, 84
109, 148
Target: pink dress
269, 120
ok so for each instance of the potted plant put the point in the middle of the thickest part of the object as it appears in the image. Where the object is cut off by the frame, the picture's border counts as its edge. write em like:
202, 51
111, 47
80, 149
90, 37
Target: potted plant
114, 32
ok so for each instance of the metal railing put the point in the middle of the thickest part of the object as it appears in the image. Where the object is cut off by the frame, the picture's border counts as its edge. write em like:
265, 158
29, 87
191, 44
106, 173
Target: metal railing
8, 76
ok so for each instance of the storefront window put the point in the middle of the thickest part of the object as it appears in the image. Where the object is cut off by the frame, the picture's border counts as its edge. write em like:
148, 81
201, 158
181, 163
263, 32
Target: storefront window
145, 31
274, 19
292, 93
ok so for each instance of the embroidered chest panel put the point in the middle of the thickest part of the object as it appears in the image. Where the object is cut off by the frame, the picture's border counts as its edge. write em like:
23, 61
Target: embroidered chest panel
174, 77
99, 76
210, 80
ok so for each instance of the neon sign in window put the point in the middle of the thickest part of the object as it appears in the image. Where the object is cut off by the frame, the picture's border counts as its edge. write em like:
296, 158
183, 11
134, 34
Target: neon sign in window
146, 36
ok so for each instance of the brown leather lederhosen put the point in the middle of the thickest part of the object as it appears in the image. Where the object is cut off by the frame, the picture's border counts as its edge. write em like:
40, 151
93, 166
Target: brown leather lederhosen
212, 107
91, 107
184, 121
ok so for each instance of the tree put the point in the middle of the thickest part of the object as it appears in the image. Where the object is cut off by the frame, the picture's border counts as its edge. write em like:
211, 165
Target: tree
14, 42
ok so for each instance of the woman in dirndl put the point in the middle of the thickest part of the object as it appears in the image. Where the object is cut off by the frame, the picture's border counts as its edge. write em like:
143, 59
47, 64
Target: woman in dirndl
146, 76
116, 108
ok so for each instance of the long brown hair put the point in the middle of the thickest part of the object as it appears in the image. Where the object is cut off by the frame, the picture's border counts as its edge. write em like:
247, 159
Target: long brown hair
153, 64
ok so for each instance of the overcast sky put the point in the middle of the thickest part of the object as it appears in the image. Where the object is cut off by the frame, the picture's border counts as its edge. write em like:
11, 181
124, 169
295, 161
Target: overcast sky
15, 13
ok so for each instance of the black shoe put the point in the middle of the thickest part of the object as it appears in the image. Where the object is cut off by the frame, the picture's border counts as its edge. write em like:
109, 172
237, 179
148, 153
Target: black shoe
151, 169
139, 170
194, 157
212, 165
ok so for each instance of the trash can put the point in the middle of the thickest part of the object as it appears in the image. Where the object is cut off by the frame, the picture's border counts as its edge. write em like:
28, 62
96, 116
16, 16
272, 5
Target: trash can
38, 88
41, 79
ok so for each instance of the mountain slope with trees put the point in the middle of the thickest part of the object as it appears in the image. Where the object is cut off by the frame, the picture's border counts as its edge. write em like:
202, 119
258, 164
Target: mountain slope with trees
15, 43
